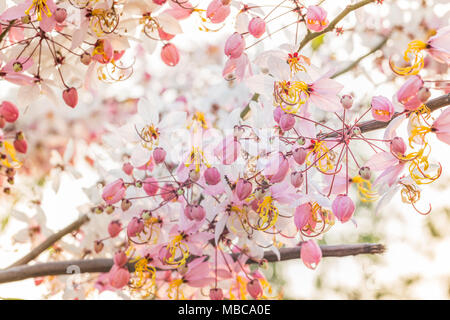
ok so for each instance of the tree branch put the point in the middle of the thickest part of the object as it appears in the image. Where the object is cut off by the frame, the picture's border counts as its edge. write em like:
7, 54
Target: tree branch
50, 241
357, 61
312, 35
104, 265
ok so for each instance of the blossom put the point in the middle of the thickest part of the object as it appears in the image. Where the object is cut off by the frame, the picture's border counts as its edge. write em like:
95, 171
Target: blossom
114, 192
382, 108
316, 18
311, 254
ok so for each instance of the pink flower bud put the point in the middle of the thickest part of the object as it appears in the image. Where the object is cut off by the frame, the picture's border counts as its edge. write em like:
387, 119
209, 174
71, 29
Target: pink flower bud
98, 246
365, 173
70, 97
60, 15
2, 123
254, 288
234, 46
21, 145
114, 192
114, 228
302, 215
287, 122
135, 226
85, 58
212, 176
347, 101
217, 12
159, 155
257, 27
170, 55
311, 254
118, 277
316, 18
382, 108
195, 212
120, 259
299, 155
277, 113
168, 192
151, 186
243, 189
9, 111
194, 175
296, 179
407, 94
125, 204
398, 146
343, 208
159, 2
127, 168
216, 294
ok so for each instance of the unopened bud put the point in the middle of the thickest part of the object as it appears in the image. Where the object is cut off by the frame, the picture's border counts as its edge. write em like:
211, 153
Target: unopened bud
365, 173
347, 101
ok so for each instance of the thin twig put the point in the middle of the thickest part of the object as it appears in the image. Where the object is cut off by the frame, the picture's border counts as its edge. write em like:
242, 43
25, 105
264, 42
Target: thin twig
104, 265
47, 243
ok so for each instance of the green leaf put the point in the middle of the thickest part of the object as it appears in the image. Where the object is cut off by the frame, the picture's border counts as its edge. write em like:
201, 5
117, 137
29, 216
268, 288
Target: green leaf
317, 42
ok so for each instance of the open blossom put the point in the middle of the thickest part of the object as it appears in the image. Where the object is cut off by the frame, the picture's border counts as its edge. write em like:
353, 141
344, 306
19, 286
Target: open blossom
441, 126
234, 46
439, 45
316, 18
217, 11
382, 108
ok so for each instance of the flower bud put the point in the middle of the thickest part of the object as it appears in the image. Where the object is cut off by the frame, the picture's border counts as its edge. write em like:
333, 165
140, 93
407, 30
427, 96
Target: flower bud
114, 228
217, 12
118, 277
20, 144
127, 168
257, 27
254, 288
159, 155
151, 186
216, 294
365, 173
243, 189
299, 155
9, 111
347, 101
382, 108
234, 46
212, 176
195, 212
120, 259
168, 192
135, 226
343, 208
60, 15
98, 246
170, 55
287, 122
296, 179
114, 192
70, 97
398, 146
85, 58
277, 113
311, 254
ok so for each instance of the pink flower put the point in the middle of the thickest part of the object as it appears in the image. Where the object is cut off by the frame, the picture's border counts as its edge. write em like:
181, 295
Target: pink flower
159, 155
382, 108
70, 97
439, 45
216, 294
234, 46
296, 179
114, 228
150, 186
299, 155
120, 259
237, 68
9, 111
302, 215
316, 18
287, 122
441, 126
323, 93
118, 277
212, 176
135, 226
408, 93
127, 168
195, 212
170, 55
254, 288
277, 168
21, 145
311, 254
257, 27
217, 12
243, 189
343, 208
114, 192
228, 150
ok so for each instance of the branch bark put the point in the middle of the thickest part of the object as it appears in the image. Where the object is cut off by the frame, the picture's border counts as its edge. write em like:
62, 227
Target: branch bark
104, 265
312, 35
50, 241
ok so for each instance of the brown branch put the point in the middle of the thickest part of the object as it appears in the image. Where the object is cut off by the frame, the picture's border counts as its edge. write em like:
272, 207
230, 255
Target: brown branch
5, 32
357, 61
312, 35
104, 265
50, 241
372, 125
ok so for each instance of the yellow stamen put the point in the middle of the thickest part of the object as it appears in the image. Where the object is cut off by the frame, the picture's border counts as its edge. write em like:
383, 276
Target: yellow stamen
268, 214
40, 6
176, 247
288, 95
11, 160
364, 189
414, 48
